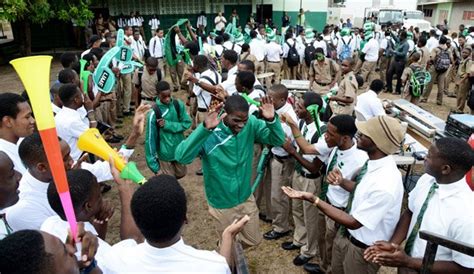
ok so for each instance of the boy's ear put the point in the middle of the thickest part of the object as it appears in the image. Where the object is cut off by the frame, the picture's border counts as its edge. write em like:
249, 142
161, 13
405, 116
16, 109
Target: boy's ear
42, 166
7, 121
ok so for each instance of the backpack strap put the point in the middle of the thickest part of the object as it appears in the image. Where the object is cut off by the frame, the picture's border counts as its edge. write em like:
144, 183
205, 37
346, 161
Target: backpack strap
177, 108
157, 111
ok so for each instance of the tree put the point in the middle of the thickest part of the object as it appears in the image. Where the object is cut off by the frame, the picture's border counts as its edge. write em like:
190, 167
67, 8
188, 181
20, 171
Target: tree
26, 12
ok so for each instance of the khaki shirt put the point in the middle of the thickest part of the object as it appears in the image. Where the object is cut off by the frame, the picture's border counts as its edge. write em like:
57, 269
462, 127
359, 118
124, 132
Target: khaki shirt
148, 83
436, 51
248, 56
348, 88
463, 70
425, 56
325, 73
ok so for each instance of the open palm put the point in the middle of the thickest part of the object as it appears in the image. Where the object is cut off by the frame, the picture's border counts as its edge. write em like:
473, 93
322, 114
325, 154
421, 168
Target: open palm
267, 110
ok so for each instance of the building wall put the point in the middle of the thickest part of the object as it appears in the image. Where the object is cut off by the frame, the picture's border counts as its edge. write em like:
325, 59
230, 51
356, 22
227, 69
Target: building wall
457, 14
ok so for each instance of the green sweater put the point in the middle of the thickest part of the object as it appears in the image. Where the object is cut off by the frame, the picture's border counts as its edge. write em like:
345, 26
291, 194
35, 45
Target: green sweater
170, 135
227, 158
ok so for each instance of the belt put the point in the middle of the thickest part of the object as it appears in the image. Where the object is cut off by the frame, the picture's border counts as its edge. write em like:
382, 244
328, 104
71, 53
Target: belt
281, 158
276, 62
323, 84
310, 175
202, 109
147, 98
106, 100
159, 57
356, 242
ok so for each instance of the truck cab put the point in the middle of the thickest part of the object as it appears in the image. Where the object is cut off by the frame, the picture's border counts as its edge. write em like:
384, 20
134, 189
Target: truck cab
415, 18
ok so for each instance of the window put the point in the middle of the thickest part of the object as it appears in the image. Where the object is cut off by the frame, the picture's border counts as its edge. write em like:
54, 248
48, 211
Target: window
428, 12
468, 15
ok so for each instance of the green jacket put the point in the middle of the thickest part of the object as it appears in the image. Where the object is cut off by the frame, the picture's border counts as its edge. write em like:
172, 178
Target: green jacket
170, 135
227, 158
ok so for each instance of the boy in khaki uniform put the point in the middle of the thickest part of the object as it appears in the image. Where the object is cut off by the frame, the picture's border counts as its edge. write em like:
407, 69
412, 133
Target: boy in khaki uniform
145, 84
414, 65
324, 73
346, 96
462, 79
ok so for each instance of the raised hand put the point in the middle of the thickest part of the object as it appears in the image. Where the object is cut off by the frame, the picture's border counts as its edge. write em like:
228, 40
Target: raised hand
335, 177
212, 120
139, 118
105, 213
79, 162
89, 244
288, 120
380, 246
267, 110
295, 194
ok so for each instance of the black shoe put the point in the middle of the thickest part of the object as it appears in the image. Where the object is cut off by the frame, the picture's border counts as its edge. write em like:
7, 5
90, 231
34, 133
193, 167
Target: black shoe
128, 113
273, 235
199, 172
113, 140
118, 136
313, 268
264, 218
301, 260
105, 187
289, 246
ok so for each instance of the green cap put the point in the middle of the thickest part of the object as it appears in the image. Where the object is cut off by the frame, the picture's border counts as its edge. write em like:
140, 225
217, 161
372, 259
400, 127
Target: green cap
345, 32
309, 33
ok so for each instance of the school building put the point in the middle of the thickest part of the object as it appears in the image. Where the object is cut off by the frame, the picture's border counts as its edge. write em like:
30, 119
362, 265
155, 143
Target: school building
456, 12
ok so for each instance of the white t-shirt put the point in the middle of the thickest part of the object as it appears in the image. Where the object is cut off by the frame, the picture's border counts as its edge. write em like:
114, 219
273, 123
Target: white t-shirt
255, 94
369, 105
229, 83
154, 23
371, 50
33, 207
273, 51
204, 97
129, 257
11, 150
288, 109
432, 43
320, 44
156, 47
70, 124
236, 47
220, 22
310, 131
349, 162
378, 201
257, 48
449, 213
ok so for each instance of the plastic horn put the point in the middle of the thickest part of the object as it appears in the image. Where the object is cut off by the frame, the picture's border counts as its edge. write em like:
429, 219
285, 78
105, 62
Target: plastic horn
34, 73
91, 141
201, 49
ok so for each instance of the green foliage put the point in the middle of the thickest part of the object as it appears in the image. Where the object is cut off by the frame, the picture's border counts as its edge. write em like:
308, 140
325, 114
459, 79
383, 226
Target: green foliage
41, 11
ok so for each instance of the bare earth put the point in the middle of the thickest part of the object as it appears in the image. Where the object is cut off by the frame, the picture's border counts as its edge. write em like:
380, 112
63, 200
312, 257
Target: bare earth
268, 257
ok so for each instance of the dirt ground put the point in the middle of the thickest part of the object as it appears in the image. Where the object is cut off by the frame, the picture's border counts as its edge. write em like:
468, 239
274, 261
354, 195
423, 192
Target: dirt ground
268, 257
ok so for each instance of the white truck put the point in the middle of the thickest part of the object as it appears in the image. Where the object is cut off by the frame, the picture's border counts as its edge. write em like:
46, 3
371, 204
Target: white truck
407, 18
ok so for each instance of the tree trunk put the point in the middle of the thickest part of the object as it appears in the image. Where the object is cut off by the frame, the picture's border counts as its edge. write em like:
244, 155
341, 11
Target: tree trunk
24, 38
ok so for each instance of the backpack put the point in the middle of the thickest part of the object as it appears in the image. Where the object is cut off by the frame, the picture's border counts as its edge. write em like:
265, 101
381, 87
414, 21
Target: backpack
417, 80
158, 116
140, 74
346, 50
213, 99
331, 51
309, 54
442, 61
260, 87
293, 58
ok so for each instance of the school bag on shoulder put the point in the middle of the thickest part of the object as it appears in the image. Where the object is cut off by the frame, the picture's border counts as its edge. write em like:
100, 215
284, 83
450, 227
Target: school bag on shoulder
309, 54
331, 51
442, 61
140, 75
159, 116
293, 58
346, 50
417, 81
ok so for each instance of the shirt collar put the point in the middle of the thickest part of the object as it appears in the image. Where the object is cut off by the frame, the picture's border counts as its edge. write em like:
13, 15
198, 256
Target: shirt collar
161, 251
284, 109
233, 70
373, 165
33, 183
446, 190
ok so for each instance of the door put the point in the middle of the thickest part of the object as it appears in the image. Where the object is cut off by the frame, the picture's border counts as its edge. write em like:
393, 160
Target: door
264, 12
243, 11
443, 14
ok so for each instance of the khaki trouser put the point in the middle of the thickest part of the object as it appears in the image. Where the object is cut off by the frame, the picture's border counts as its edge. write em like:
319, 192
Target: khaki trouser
339, 251
103, 113
320, 89
440, 78
259, 67
367, 70
329, 239
250, 234
176, 73
303, 71
383, 66
200, 117
119, 102
338, 109
126, 80
358, 65
450, 77
173, 168
289, 72
282, 173
305, 216
354, 261
276, 69
263, 192
162, 66
461, 95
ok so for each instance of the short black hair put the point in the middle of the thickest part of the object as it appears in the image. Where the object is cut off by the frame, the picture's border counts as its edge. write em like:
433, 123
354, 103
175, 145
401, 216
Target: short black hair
443, 40
193, 48
31, 150
226, 37
151, 61
319, 50
377, 85
24, 252
253, 34
67, 92
159, 208
231, 56
249, 65
312, 98
236, 103
98, 52
67, 59
9, 104
456, 152
360, 80
422, 41
445, 31
80, 187
345, 124
245, 47
54, 90
201, 61
162, 86
89, 58
66, 76
219, 40
280, 90
247, 79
